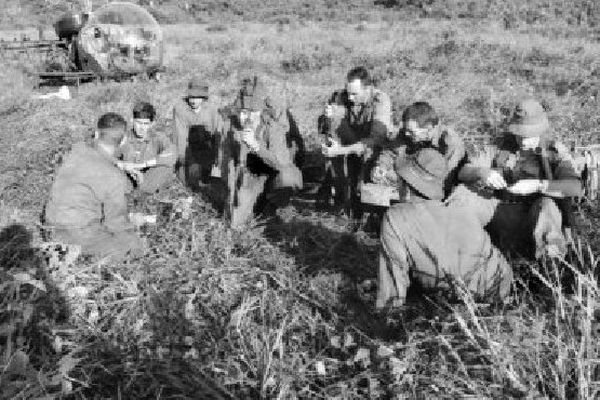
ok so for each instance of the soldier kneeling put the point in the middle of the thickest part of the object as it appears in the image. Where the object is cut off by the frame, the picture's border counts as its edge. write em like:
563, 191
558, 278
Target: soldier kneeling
262, 171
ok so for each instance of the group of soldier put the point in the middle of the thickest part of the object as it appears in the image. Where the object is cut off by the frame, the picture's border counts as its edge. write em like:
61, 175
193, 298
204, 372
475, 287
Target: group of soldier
454, 219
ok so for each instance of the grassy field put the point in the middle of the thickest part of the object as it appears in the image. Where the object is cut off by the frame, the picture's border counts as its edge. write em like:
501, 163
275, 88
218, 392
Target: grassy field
280, 310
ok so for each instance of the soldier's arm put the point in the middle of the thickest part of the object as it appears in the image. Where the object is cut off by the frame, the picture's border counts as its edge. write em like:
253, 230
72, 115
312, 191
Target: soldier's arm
167, 154
566, 181
114, 206
455, 152
180, 135
381, 123
478, 167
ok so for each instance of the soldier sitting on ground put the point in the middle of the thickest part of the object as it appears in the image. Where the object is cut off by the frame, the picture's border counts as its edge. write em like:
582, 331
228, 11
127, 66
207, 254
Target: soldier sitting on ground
147, 157
87, 205
434, 243
533, 178
421, 128
262, 170
198, 129
354, 120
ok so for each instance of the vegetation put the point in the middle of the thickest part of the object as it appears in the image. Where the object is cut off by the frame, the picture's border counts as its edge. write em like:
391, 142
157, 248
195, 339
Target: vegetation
284, 309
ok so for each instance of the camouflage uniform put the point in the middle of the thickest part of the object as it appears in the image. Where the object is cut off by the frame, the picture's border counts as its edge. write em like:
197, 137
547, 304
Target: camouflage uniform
197, 139
352, 123
264, 178
154, 147
87, 205
528, 224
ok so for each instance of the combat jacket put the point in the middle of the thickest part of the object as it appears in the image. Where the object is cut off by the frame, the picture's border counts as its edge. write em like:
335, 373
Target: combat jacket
155, 146
367, 123
277, 152
556, 165
440, 242
89, 190
208, 120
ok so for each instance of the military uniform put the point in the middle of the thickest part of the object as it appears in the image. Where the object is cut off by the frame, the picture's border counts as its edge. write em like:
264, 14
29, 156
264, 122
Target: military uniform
262, 178
444, 139
352, 123
437, 244
154, 147
197, 138
528, 224
87, 205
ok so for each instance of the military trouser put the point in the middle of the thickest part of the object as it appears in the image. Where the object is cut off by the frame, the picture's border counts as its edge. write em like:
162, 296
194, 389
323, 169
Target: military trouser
416, 246
98, 241
343, 174
156, 178
528, 229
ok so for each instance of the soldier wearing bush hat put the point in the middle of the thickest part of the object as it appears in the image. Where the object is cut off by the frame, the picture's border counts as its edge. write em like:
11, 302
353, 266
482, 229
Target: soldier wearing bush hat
435, 243
265, 149
197, 136
535, 176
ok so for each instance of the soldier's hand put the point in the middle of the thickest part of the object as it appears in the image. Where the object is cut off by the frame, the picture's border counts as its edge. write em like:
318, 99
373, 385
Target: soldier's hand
495, 180
250, 140
526, 186
136, 175
328, 111
334, 149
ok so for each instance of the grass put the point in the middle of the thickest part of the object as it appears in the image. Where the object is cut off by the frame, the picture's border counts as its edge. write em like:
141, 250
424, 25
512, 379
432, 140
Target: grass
281, 310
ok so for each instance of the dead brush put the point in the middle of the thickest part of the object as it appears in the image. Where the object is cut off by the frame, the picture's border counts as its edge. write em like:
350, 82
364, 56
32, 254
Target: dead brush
558, 354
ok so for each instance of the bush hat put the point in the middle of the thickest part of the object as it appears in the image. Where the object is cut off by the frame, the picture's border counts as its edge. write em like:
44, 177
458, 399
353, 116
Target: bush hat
529, 120
425, 172
197, 89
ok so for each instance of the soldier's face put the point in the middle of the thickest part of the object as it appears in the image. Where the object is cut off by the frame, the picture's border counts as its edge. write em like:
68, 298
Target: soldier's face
357, 92
529, 143
415, 132
141, 127
195, 103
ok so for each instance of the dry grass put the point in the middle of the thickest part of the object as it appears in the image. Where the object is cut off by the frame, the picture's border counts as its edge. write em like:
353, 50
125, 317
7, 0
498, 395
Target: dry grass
277, 311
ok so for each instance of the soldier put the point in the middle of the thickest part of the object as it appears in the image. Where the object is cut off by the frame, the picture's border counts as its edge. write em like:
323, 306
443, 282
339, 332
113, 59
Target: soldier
534, 177
355, 119
146, 156
87, 204
197, 136
262, 156
421, 128
437, 243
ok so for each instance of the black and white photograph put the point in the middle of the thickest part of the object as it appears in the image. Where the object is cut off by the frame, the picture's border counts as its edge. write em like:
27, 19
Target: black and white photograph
299, 199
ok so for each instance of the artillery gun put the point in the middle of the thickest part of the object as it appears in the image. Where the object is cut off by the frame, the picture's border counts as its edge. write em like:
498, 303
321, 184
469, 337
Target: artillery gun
117, 41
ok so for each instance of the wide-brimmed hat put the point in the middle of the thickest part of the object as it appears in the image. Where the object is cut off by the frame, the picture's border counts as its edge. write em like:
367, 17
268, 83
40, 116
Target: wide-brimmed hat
197, 89
425, 172
529, 120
